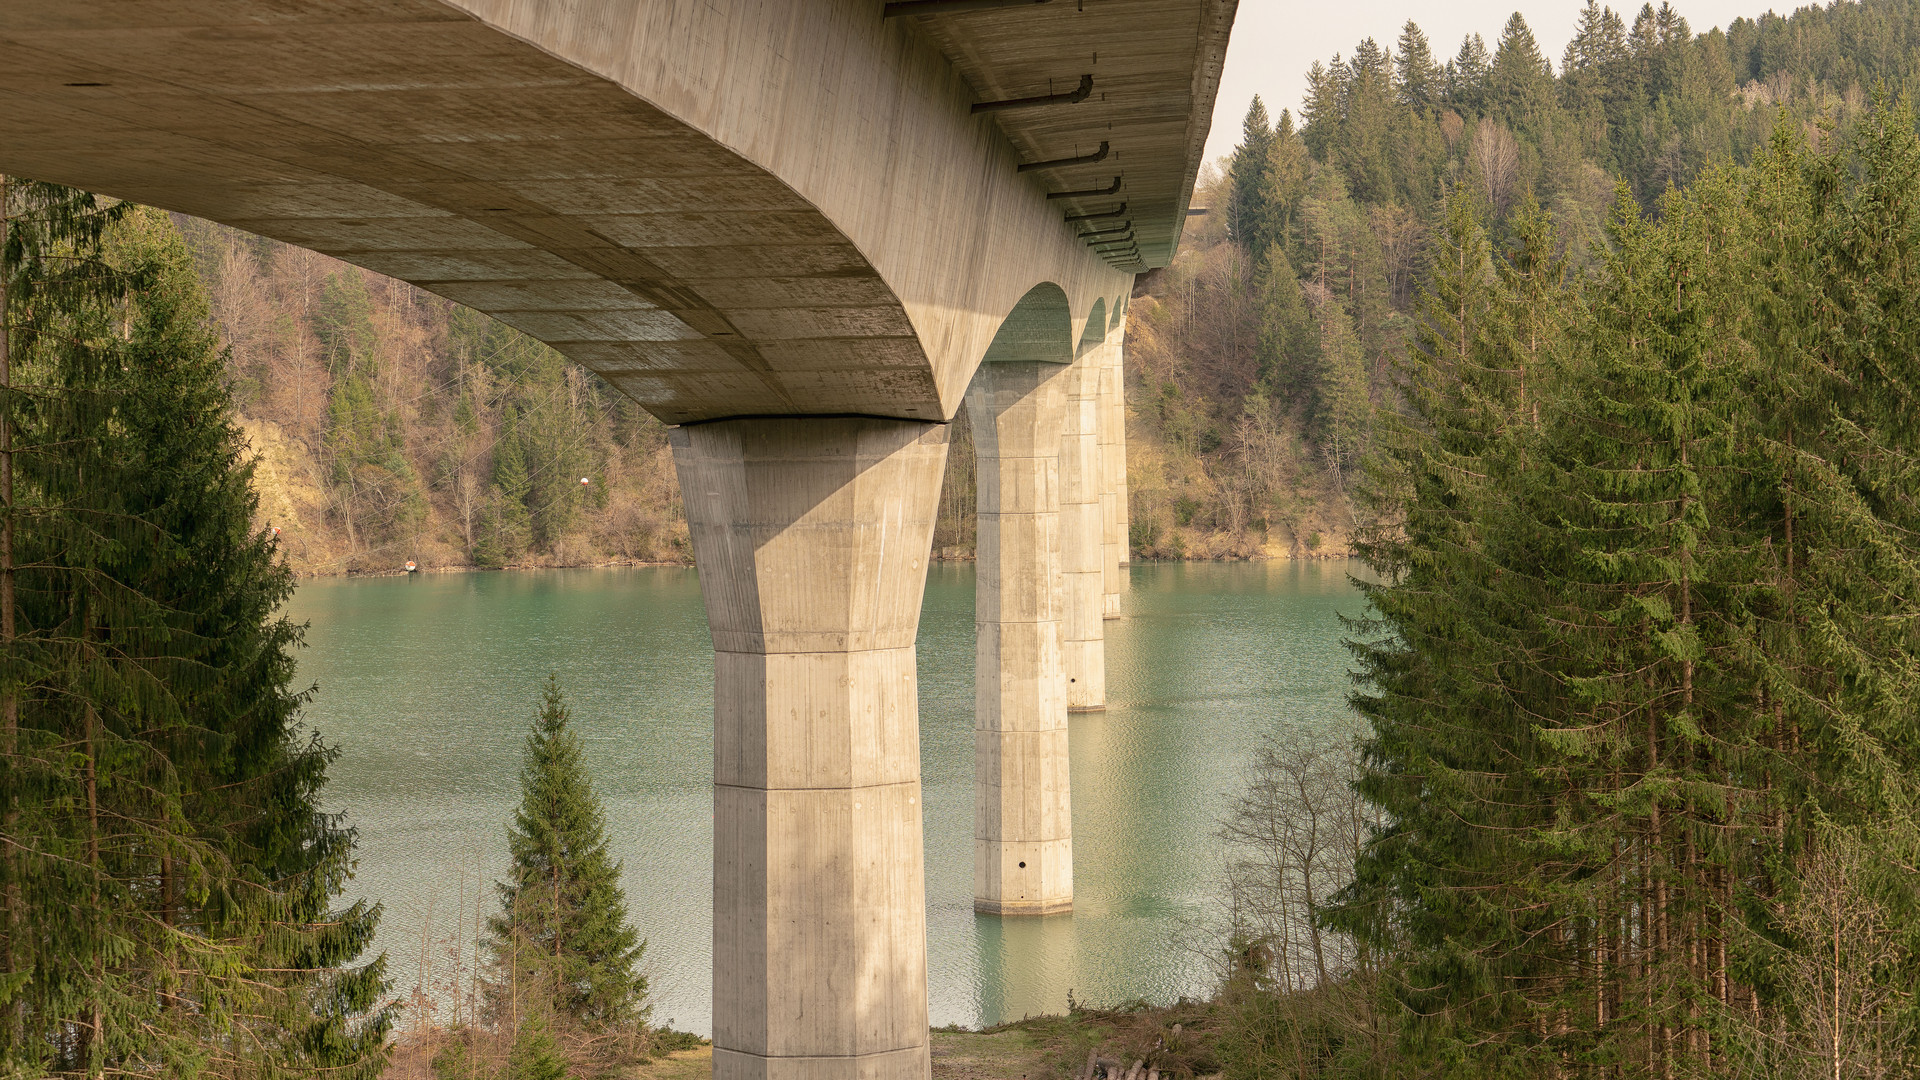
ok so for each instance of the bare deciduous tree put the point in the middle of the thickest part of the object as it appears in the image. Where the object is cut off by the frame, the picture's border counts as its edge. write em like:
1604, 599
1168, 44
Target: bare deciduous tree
1293, 836
1495, 159
1839, 940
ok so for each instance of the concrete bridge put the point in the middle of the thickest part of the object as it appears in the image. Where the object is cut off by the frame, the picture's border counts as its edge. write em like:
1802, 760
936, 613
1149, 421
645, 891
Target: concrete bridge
808, 232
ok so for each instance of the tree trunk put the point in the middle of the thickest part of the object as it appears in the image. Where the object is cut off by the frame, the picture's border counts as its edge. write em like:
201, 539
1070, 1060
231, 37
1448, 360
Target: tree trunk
94, 1061
9, 700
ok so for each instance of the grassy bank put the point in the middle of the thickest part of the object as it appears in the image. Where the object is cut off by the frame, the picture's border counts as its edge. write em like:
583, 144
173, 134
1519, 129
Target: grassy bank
1176, 1041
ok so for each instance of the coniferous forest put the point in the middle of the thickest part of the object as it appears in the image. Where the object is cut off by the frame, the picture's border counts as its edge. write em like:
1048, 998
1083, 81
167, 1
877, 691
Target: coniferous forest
1251, 394
169, 880
1637, 485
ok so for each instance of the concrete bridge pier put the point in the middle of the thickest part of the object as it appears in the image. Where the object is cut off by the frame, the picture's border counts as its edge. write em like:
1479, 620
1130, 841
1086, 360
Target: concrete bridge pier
1023, 827
1083, 535
1125, 501
812, 536
1113, 465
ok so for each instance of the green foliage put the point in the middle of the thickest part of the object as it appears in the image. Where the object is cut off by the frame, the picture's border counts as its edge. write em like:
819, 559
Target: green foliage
170, 877
1641, 654
536, 1056
666, 1040
563, 933
1289, 349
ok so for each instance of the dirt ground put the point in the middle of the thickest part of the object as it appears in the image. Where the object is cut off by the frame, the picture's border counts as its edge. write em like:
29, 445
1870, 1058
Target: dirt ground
1002, 1055
1173, 1039
684, 1065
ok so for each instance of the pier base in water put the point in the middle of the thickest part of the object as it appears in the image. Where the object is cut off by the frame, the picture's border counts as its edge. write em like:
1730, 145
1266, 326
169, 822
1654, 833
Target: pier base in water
1023, 824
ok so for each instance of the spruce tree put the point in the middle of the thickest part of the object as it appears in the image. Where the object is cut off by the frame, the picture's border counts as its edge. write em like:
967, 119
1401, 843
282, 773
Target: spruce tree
562, 934
252, 775
1837, 646
178, 870
535, 1055
1520, 82
1450, 736
1248, 207
1342, 413
1467, 75
1365, 148
511, 529
1416, 78
1289, 339
1320, 111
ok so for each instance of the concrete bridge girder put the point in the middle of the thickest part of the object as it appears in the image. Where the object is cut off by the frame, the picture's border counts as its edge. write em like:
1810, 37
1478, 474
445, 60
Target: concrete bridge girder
807, 220
956, 247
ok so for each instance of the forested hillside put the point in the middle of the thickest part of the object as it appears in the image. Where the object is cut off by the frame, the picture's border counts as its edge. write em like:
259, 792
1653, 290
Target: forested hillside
1259, 356
397, 426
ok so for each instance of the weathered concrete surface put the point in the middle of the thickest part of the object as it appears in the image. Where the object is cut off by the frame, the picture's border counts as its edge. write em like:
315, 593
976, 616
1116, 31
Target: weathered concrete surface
1023, 824
1082, 532
1113, 467
730, 207
1124, 502
811, 537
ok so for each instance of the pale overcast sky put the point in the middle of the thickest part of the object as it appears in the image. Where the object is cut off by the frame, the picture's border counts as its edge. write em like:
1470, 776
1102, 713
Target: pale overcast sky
1275, 41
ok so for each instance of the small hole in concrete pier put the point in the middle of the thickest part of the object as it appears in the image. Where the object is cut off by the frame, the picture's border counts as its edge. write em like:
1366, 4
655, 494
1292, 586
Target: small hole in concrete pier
1023, 866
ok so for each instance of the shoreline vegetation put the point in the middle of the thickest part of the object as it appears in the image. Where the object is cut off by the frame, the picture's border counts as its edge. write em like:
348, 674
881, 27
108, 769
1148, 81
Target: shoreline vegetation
1131, 1041
1086, 1043
622, 564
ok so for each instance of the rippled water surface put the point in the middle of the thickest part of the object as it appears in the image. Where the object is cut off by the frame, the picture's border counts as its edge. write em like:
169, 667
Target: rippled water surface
427, 685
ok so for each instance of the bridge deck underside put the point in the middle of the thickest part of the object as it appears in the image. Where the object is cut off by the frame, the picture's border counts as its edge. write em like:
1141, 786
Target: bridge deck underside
408, 138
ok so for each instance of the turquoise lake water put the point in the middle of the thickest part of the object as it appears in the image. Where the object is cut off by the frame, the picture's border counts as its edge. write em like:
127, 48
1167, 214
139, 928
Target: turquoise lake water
427, 684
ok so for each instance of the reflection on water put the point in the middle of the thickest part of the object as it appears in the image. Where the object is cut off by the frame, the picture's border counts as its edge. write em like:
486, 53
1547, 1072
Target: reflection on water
427, 685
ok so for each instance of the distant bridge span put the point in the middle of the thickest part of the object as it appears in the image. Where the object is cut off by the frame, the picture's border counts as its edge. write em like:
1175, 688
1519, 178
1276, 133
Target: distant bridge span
790, 227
